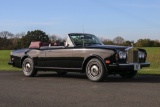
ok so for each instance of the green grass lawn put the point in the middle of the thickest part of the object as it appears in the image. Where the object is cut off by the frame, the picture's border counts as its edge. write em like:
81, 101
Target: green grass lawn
4, 58
153, 57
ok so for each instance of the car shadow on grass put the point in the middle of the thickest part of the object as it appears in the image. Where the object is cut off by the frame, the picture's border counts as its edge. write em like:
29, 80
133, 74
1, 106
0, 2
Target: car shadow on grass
139, 78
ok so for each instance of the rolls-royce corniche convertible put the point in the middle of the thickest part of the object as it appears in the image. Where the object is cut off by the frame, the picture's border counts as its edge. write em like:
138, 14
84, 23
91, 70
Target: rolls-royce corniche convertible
80, 53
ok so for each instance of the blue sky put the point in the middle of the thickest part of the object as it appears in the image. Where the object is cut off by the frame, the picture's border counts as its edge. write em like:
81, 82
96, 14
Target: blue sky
131, 20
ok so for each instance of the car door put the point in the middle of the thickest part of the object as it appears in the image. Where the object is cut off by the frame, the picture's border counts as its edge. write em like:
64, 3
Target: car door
78, 57
59, 58
41, 59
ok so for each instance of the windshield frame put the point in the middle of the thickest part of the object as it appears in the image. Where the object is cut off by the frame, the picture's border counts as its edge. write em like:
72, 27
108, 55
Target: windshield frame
83, 39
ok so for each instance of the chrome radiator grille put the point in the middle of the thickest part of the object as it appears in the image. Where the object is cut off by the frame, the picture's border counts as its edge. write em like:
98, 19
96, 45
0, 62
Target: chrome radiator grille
132, 56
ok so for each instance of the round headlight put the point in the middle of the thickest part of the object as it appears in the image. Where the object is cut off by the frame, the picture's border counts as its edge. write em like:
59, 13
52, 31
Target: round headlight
122, 55
141, 55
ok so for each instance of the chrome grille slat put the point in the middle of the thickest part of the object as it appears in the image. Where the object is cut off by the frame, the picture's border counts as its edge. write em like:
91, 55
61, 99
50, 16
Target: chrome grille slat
133, 56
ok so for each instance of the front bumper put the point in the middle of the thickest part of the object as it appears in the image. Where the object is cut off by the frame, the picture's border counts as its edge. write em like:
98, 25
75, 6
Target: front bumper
10, 63
129, 66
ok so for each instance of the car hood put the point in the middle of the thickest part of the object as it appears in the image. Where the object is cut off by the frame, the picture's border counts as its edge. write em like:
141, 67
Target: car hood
114, 47
20, 50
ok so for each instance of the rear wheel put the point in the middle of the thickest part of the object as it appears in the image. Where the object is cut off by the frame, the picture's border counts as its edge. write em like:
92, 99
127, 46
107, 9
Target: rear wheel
128, 75
28, 68
95, 70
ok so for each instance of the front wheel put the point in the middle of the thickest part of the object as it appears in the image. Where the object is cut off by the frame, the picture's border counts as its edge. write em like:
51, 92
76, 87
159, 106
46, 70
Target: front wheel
95, 70
128, 75
28, 68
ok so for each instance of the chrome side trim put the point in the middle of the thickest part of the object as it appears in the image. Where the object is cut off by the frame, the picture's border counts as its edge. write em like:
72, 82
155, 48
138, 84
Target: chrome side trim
58, 68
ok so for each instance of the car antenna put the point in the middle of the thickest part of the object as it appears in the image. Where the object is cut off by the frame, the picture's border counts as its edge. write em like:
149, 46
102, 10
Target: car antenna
83, 35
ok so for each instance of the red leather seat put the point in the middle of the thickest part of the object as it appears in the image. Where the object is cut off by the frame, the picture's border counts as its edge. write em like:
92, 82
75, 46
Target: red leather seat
36, 44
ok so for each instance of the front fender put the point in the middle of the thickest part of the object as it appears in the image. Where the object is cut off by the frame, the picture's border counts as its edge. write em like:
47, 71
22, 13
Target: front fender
89, 58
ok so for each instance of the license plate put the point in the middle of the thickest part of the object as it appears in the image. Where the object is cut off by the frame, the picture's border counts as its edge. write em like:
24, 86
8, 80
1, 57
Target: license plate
137, 66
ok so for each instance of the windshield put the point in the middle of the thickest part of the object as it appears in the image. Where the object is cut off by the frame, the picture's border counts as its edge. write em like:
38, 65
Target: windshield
84, 39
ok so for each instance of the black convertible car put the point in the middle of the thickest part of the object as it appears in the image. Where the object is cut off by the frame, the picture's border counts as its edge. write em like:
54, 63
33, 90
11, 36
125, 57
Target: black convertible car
81, 53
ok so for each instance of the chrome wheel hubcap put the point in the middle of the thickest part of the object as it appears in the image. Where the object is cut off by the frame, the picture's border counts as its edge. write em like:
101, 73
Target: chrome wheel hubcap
27, 68
94, 70
28, 65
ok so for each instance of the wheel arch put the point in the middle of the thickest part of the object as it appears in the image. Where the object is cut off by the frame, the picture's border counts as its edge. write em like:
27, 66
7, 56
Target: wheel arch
91, 57
23, 58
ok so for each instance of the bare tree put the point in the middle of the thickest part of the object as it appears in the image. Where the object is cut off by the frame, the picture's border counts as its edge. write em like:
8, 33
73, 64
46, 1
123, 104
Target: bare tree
118, 40
5, 38
16, 40
20, 35
57, 40
108, 42
53, 38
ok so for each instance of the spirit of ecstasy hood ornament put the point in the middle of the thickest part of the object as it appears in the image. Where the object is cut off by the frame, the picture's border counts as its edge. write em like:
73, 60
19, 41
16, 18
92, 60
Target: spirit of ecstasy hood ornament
132, 44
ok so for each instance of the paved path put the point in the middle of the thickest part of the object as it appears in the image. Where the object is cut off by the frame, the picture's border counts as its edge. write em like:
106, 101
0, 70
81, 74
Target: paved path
75, 90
